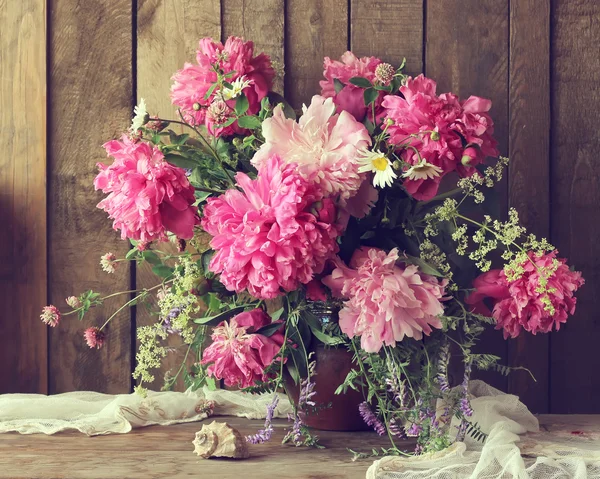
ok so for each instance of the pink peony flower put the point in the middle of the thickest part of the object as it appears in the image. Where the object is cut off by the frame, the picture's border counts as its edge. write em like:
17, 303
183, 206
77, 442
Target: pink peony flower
94, 338
146, 195
237, 354
322, 143
350, 98
518, 305
50, 316
192, 83
269, 236
439, 123
385, 300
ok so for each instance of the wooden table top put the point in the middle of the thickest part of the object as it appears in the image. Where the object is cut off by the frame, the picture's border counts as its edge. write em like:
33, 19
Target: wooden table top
166, 452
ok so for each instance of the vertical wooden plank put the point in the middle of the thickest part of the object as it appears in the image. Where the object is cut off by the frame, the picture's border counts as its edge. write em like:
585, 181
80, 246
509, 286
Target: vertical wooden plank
261, 21
315, 29
529, 179
390, 30
23, 337
575, 193
467, 53
167, 37
90, 102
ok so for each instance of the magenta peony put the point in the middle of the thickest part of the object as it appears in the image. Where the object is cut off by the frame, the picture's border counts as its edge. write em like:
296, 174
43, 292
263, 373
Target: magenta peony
192, 83
272, 235
322, 143
440, 124
519, 305
350, 98
385, 300
237, 354
146, 195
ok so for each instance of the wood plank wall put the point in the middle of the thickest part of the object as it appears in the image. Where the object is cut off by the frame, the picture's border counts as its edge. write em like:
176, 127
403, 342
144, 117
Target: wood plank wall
536, 59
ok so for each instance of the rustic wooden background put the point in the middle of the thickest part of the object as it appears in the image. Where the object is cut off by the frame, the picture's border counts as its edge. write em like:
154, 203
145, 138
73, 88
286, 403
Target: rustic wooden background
71, 72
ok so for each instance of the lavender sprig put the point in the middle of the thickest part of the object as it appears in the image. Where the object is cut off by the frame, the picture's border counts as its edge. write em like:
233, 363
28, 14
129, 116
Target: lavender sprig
370, 418
465, 404
265, 434
442, 376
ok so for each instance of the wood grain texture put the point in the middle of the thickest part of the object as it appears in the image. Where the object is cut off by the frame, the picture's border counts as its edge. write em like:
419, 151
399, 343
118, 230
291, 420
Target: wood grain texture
166, 451
529, 174
575, 194
315, 29
263, 22
390, 30
467, 54
90, 103
167, 37
23, 337
159, 452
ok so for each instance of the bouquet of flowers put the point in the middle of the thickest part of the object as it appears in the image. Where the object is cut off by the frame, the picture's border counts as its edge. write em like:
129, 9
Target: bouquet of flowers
367, 203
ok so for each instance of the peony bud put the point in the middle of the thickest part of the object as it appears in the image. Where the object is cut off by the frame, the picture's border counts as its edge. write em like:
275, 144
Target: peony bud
468, 156
435, 136
196, 106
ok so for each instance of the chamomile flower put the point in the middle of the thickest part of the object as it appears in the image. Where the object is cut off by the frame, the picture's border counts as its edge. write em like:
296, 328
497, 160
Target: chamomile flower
422, 171
376, 162
141, 116
237, 87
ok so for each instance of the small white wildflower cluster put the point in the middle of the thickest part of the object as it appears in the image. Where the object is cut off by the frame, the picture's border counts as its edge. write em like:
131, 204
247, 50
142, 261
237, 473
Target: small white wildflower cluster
432, 254
492, 175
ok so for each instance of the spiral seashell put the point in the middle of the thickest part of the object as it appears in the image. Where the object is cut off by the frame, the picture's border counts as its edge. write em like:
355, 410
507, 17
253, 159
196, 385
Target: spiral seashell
219, 439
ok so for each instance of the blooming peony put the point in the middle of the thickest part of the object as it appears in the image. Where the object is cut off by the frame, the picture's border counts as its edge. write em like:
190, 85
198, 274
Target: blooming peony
272, 235
323, 144
146, 195
518, 305
439, 123
350, 98
192, 83
237, 354
385, 300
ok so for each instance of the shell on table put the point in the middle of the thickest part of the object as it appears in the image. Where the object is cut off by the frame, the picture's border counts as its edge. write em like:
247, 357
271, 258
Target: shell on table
219, 439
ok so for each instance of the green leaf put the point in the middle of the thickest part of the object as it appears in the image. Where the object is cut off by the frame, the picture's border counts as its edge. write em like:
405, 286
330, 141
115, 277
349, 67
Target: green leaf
225, 315
338, 85
210, 91
211, 383
132, 253
151, 257
180, 161
241, 105
214, 303
423, 266
361, 82
277, 314
370, 95
270, 329
162, 271
277, 99
369, 125
249, 122
315, 327
402, 65
230, 121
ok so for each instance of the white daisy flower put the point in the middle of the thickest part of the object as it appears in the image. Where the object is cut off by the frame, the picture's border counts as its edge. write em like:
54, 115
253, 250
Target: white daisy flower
376, 162
422, 171
141, 116
237, 86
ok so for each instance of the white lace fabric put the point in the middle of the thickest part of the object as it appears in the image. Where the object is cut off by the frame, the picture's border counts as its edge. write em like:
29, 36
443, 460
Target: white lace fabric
515, 447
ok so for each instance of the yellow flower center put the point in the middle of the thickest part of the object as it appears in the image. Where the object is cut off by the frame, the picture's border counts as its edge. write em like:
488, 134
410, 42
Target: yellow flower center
380, 163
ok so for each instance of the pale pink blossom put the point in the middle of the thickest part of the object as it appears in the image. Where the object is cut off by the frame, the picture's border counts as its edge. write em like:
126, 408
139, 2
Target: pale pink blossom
441, 128
74, 302
386, 300
236, 58
50, 316
323, 144
237, 354
272, 235
146, 195
351, 97
94, 337
519, 305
